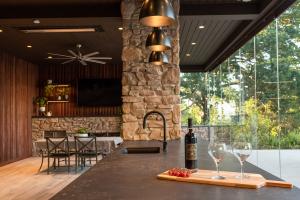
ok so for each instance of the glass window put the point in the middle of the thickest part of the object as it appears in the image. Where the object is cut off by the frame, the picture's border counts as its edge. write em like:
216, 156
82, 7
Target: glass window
255, 94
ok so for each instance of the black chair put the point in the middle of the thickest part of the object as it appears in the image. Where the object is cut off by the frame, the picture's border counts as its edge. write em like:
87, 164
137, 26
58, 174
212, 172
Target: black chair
58, 148
55, 133
52, 134
86, 149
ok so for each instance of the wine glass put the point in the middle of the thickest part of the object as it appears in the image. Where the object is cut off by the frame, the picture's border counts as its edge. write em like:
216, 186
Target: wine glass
217, 150
242, 151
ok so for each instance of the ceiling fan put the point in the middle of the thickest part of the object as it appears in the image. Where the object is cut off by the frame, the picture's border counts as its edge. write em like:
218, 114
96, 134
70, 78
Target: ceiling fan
83, 59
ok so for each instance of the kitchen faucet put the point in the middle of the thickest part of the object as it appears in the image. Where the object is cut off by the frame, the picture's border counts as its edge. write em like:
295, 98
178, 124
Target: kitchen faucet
164, 123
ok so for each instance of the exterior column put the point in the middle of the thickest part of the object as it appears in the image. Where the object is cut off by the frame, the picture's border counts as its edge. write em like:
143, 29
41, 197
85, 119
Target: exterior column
147, 87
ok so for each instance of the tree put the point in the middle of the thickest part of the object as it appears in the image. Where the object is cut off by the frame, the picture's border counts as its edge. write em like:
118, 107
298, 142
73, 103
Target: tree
194, 93
251, 72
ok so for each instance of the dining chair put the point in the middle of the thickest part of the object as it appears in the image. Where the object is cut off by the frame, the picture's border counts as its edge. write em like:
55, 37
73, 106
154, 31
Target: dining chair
58, 148
86, 148
53, 134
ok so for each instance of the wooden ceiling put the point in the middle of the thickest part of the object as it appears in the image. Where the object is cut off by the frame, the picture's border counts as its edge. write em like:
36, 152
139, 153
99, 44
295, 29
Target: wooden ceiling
228, 25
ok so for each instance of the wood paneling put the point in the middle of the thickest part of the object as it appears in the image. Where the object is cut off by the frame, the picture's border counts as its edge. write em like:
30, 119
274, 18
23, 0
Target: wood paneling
18, 83
69, 74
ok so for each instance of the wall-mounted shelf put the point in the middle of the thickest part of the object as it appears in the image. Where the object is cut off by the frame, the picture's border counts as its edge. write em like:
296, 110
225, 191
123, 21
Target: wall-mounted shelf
58, 101
62, 85
57, 93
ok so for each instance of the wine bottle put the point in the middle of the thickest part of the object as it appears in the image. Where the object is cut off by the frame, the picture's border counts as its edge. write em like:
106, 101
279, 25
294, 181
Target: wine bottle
190, 147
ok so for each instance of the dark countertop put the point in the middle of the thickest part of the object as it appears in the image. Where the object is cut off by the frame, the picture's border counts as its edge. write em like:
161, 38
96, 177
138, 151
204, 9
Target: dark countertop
133, 176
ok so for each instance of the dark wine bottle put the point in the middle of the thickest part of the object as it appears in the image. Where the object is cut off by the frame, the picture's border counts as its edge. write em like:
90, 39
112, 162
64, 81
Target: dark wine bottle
190, 147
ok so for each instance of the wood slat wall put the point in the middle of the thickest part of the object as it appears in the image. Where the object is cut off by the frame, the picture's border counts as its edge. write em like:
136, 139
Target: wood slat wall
18, 86
69, 74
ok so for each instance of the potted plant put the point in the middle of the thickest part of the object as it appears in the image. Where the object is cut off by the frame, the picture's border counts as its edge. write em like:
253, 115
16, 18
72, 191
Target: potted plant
49, 90
81, 132
41, 102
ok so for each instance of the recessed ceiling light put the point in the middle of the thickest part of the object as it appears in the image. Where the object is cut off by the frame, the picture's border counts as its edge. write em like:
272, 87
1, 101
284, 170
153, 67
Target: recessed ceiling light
188, 55
59, 30
1, 30
194, 43
120, 28
201, 27
36, 21
29, 46
49, 57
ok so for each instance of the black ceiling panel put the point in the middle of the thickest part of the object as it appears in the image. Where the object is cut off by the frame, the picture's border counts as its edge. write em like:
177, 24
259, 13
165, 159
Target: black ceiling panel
228, 25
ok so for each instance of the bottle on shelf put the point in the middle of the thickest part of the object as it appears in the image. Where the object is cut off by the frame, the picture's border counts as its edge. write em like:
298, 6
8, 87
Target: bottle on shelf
191, 157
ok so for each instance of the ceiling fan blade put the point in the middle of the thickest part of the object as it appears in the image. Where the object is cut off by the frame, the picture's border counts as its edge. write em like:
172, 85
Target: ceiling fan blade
68, 61
103, 58
73, 53
83, 62
90, 54
59, 58
56, 54
96, 61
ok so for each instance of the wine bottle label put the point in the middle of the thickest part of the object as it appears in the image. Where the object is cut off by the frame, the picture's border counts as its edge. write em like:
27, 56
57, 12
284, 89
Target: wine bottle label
191, 152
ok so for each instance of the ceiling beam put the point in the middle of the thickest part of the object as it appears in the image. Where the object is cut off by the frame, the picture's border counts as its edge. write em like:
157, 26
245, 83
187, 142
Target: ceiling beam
191, 68
60, 11
243, 11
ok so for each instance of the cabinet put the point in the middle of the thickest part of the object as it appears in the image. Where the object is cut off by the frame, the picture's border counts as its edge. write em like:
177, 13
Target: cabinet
57, 93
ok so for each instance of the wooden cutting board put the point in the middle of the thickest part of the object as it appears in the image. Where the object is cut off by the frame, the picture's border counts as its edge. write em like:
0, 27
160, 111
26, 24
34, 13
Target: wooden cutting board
253, 181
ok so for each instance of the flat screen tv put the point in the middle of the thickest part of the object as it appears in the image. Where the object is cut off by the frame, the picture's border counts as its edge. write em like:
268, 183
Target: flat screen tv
99, 92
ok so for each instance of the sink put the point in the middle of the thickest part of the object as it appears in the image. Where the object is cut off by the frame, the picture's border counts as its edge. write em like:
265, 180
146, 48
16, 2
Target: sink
140, 150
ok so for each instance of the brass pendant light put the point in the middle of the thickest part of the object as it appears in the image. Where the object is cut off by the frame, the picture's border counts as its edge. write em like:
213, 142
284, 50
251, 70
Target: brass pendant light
158, 58
157, 13
158, 41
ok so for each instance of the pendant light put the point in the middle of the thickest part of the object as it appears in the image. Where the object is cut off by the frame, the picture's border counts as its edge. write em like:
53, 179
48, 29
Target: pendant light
157, 13
158, 41
158, 58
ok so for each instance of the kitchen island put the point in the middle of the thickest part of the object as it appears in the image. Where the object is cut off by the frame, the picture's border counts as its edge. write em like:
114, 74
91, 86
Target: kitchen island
133, 176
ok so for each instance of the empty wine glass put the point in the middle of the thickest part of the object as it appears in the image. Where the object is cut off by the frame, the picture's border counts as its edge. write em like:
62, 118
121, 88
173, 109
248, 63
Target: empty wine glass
217, 150
242, 151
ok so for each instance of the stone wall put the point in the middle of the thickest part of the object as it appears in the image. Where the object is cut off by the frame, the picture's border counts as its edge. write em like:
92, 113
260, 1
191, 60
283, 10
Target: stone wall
147, 87
72, 124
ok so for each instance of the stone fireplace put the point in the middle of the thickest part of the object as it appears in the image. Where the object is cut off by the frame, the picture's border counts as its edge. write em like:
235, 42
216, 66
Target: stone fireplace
147, 87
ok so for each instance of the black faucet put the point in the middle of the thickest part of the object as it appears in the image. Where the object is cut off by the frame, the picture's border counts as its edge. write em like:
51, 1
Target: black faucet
164, 123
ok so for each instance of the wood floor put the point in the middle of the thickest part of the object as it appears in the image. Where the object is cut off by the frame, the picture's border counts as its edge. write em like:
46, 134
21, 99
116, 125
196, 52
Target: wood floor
22, 181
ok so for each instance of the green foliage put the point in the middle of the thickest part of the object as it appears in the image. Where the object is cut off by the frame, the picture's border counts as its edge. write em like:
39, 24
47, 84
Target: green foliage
291, 140
41, 101
82, 130
193, 89
193, 112
266, 97
49, 90
260, 126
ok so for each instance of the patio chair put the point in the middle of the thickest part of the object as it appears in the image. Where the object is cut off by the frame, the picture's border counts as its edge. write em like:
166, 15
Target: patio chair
55, 133
58, 148
52, 134
86, 148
